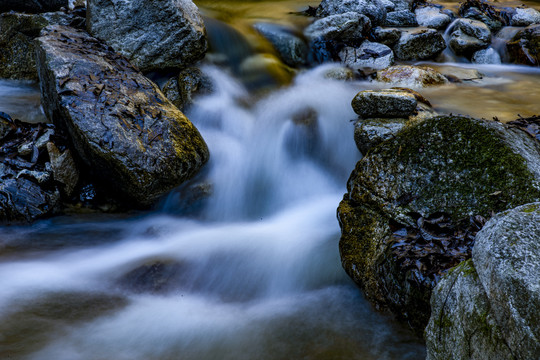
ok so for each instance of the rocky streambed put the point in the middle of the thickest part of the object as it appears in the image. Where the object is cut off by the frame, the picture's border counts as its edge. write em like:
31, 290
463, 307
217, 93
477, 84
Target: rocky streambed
438, 223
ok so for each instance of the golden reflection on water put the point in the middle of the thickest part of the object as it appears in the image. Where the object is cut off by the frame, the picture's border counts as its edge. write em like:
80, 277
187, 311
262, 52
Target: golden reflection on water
499, 94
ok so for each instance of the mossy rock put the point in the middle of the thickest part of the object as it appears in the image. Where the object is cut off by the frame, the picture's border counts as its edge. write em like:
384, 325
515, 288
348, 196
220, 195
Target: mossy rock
449, 164
17, 33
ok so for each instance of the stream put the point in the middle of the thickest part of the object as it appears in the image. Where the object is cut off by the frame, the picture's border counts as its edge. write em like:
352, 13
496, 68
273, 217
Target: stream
253, 272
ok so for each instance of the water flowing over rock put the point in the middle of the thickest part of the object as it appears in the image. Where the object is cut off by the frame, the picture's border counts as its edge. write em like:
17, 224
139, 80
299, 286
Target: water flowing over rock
488, 307
291, 48
419, 44
432, 17
369, 55
17, 33
486, 56
375, 10
32, 6
411, 76
176, 39
525, 46
425, 178
121, 125
468, 36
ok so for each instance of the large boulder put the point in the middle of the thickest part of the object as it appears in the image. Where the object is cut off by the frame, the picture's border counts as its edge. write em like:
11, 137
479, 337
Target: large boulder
17, 33
419, 44
488, 308
384, 103
120, 123
32, 6
402, 18
375, 10
495, 18
525, 17
151, 34
525, 46
408, 214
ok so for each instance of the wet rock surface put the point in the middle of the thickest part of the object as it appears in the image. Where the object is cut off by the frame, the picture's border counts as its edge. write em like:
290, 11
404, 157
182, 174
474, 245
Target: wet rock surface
411, 76
403, 18
347, 28
524, 48
494, 17
419, 44
432, 17
32, 6
468, 36
126, 132
368, 55
430, 172
373, 9
17, 34
177, 38
181, 89
384, 103
525, 17
488, 307
29, 186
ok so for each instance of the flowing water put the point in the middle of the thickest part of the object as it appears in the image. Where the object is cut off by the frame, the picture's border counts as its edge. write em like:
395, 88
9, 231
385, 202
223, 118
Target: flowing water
253, 271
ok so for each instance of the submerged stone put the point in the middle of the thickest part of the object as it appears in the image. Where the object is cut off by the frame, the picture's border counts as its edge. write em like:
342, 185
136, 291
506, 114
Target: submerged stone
411, 76
120, 124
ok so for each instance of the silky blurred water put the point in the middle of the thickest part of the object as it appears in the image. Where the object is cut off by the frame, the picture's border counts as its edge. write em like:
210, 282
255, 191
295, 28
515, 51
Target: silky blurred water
254, 271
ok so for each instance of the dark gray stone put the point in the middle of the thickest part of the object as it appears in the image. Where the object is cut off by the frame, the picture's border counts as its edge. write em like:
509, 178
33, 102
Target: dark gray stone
120, 123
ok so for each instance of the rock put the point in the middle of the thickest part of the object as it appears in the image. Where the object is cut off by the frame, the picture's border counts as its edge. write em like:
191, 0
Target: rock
17, 33
181, 89
486, 56
384, 103
176, 40
403, 18
6, 124
411, 76
32, 6
347, 28
339, 73
468, 36
525, 17
432, 17
424, 172
369, 55
374, 9
483, 11
63, 168
490, 304
525, 46
386, 36
24, 200
461, 324
369, 133
459, 74
142, 146
419, 44
290, 47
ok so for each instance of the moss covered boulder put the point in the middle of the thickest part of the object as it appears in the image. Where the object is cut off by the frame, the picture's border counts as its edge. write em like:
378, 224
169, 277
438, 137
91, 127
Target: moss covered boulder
17, 33
121, 125
441, 173
488, 307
